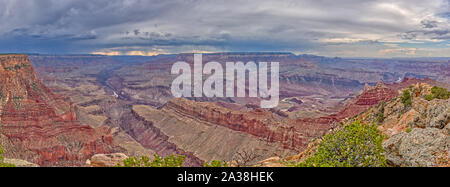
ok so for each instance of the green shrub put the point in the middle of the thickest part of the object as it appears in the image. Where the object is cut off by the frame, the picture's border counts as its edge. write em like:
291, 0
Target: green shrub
408, 130
357, 145
380, 115
216, 163
1, 155
144, 161
438, 92
406, 99
16, 67
2, 159
429, 97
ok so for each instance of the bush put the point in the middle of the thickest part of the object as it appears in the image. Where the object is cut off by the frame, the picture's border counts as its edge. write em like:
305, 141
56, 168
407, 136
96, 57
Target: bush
429, 97
406, 99
408, 130
438, 92
216, 163
144, 161
357, 145
2, 159
380, 114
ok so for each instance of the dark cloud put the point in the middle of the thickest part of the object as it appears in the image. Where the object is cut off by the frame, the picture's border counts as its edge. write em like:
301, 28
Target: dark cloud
429, 24
439, 34
83, 37
410, 35
73, 26
436, 34
136, 32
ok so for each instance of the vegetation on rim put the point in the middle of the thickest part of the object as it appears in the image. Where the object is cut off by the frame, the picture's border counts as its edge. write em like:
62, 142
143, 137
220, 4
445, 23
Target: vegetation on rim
216, 163
438, 92
158, 161
2, 159
406, 99
357, 145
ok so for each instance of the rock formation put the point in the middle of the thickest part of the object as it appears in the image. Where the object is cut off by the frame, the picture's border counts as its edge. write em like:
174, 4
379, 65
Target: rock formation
416, 136
258, 122
39, 126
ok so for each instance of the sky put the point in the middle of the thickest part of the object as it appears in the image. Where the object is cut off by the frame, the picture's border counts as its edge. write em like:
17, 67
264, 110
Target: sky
343, 28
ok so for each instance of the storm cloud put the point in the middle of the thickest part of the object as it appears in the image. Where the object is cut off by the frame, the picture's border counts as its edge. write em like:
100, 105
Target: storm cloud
378, 28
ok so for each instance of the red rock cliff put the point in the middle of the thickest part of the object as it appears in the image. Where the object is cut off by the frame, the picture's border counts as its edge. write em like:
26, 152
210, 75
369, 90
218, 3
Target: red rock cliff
39, 126
261, 123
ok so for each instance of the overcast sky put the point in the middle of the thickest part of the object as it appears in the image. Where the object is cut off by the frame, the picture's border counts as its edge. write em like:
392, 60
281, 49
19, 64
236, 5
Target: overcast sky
345, 28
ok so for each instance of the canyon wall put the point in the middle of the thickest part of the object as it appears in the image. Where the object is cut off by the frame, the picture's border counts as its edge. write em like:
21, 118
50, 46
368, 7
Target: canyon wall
39, 126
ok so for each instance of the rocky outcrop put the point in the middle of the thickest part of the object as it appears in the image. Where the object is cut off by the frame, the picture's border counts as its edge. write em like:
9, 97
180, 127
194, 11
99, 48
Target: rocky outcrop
420, 147
434, 114
39, 126
368, 98
417, 136
372, 96
106, 160
20, 163
428, 143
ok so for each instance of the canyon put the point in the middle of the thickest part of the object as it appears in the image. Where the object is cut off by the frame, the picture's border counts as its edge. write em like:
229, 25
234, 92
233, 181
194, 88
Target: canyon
112, 104
39, 126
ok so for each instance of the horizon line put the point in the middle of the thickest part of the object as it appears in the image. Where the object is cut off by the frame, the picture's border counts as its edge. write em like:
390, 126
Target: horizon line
215, 53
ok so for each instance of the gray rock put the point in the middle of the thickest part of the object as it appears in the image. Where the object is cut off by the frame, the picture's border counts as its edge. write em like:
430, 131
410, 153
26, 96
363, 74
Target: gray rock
391, 148
420, 147
435, 114
438, 115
